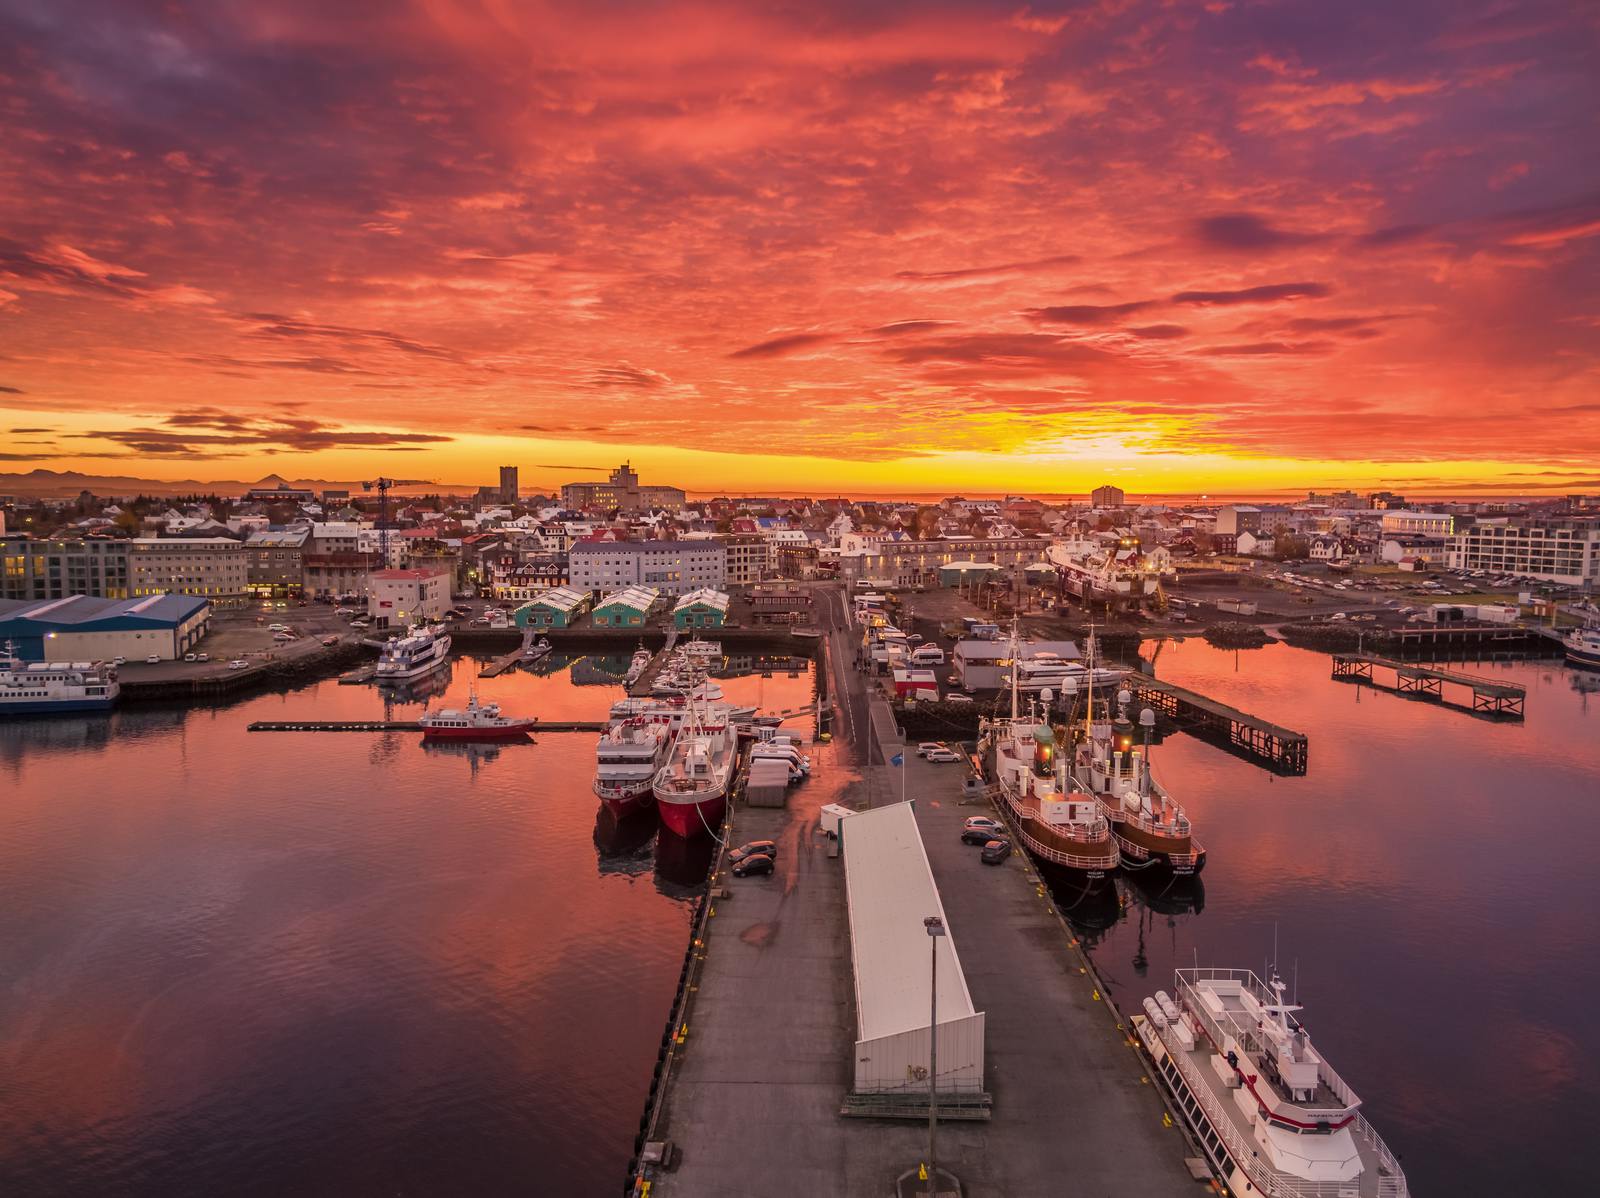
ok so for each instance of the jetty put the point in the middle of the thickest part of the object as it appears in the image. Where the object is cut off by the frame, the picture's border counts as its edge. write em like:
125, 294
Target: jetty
644, 684
1281, 750
401, 726
1488, 697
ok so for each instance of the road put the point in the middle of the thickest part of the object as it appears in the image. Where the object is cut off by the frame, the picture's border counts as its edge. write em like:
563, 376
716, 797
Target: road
849, 686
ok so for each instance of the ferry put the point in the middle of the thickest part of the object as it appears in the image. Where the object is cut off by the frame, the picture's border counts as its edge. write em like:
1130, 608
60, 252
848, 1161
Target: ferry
691, 790
1271, 1114
629, 755
51, 687
1583, 647
423, 648
480, 721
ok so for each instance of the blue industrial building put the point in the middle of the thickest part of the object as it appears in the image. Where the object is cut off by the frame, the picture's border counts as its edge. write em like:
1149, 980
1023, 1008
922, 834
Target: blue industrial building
81, 628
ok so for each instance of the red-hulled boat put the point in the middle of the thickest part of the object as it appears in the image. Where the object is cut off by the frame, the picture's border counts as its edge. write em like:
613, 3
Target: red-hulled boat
627, 758
480, 721
691, 790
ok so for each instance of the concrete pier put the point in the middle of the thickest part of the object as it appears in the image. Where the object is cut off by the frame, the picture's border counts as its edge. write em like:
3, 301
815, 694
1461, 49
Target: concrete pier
753, 1097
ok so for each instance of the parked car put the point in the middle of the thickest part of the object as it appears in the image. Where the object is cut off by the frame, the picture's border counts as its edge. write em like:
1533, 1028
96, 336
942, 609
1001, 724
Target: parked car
277, 628
756, 848
153, 660
755, 863
929, 746
984, 821
282, 636
202, 657
944, 755
957, 697
119, 660
995, 852
977, 835
238, 663
330, 640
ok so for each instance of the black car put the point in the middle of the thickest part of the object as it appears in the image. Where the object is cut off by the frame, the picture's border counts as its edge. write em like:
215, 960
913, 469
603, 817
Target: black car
996, 851
979, 835
756, 848
755, 863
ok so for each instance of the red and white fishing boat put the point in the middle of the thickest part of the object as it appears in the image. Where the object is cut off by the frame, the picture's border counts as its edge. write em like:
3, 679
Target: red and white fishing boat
691, 790
479, 721
629, 755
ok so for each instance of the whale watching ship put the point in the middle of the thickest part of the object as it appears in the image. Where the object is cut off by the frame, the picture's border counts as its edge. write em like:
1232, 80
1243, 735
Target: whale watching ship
423, 648
480, 721
691, 790
1583, 646
1151, 830
628, 756
51, 687
1271, 1114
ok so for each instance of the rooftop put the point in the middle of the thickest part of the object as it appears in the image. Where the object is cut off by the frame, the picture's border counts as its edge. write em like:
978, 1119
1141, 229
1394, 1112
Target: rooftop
81, 610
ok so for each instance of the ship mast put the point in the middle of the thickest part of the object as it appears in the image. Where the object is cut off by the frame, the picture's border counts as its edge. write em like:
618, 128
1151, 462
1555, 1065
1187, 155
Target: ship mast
1014, 669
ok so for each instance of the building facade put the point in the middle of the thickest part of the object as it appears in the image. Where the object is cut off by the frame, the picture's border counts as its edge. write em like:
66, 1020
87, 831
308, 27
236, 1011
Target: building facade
509, 487
1564, 549
275, 563
397, 598
621, 492
627, 608
329, 575
673, 567
1427, 524
917, 563
750, 557
34, 569
1107, 496
81, 628
214, 567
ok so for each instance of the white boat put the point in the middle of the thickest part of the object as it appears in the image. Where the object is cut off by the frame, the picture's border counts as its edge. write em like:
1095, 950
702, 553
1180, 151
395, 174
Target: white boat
673, 711
639, 664
629, 755
535, 651
1271, 1114
1583, 647
1050, 670
423, 648
479, 721
54, 687
691, 790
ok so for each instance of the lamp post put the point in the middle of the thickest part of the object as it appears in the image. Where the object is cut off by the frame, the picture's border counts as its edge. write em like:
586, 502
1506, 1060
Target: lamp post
935, 927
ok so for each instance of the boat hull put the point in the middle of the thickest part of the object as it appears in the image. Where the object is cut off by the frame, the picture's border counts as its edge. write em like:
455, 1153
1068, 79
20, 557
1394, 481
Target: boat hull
56, 706
518, 731
1589, 658
411, 672
622, 803
1148, 855
690, 818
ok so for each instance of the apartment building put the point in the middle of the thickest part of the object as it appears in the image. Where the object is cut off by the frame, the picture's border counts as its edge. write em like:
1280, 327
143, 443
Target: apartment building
750, 557
917, 563
1564, 549
39, 569
674, 567
275, 562
214, 567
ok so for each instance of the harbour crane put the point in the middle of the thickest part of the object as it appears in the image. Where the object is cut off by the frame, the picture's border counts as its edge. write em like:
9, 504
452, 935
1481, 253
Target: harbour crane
381, 486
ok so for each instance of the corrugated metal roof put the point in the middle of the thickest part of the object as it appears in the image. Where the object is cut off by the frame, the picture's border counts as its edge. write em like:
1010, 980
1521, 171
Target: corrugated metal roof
706, 596
560, 599
891, 891
86, 612
640, 599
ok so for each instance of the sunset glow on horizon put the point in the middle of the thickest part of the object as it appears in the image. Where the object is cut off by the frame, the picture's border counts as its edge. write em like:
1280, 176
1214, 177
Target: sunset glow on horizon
1230, 247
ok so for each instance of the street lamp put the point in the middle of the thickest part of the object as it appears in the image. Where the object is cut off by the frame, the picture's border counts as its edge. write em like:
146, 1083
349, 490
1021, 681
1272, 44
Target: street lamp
935, 927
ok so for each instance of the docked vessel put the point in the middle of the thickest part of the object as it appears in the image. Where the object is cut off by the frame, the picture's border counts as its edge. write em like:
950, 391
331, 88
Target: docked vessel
1051, 671
536, 651
1271, 1114
478, 721
1583, 647
1151, 830
640, 663
1115, 575
691, 790
423, 648
51, 687
629, 755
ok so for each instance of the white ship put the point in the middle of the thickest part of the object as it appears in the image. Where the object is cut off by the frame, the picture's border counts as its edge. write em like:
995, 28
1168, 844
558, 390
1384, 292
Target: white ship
639, 664
1270, 1112
51, 687
629, 755
1046, 670
1583, 647
1119, 576
423, 648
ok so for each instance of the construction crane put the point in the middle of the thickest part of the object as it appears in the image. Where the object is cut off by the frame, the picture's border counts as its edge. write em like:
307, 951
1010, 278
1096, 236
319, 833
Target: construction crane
381, 486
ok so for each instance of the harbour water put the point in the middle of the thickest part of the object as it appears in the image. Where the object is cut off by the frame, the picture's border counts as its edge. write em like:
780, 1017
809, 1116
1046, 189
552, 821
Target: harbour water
330, 963
343, 963
1432, 888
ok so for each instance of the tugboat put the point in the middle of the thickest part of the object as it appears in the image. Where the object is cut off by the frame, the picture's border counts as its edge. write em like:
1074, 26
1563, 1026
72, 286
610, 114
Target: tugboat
691, 790
1151, 830
1583, 646
423, 648
480, 721
1058, 821
1271, 1114
629, 755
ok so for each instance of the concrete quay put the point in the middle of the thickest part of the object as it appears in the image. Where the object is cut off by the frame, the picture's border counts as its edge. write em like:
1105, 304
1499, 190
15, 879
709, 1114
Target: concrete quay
752, 1101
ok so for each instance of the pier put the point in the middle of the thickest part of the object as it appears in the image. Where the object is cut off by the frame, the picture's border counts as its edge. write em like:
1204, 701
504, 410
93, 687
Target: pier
644, 684
1281, 750
402, 726
1491, 698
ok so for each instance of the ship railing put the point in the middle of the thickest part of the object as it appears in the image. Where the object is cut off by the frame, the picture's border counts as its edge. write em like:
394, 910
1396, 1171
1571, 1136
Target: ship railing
1264, 1177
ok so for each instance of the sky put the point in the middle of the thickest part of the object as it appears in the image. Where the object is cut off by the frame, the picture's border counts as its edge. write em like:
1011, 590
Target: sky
1233, 246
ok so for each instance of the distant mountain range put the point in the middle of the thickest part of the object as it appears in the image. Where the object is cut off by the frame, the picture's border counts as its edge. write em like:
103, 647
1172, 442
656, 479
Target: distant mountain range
64, 484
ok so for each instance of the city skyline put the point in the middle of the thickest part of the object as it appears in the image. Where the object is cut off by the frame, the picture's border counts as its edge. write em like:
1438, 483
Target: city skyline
1231, 248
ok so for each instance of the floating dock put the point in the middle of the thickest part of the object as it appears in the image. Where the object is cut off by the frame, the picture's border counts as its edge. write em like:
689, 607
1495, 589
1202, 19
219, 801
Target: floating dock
1281, 750
1502, 699
401, 726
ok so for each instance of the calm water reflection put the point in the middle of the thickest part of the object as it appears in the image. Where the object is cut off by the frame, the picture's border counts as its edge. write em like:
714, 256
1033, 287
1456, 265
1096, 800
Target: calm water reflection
1434, 881
347, 964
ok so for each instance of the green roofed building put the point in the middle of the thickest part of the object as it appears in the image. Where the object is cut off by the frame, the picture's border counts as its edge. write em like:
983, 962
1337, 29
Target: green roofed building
704, 608
559, 607
627, 608
957, 574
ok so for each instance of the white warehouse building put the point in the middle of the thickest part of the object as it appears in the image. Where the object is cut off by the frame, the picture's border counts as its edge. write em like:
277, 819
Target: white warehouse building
890, 890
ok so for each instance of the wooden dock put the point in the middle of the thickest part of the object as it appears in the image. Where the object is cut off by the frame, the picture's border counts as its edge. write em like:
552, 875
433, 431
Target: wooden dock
644, 684
402, 726
1502, 699
1281, 750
